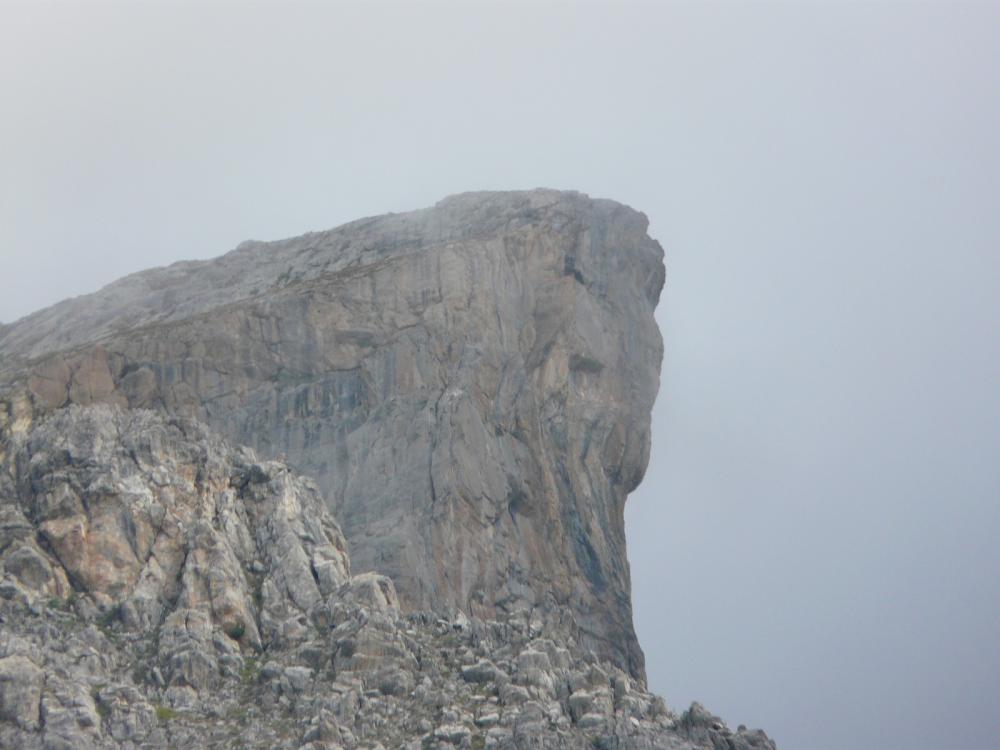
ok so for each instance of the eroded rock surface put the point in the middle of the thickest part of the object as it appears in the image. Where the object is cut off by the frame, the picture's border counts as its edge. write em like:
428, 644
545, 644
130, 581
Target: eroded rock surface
470, 385
159, 588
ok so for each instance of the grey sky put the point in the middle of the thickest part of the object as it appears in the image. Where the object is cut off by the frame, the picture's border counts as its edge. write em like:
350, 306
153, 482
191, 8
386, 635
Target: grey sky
815, 547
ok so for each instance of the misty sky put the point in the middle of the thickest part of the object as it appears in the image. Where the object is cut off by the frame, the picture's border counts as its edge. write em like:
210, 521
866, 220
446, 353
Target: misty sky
815, 547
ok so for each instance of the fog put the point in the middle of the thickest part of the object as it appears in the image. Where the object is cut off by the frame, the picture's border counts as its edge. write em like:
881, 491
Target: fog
815, 546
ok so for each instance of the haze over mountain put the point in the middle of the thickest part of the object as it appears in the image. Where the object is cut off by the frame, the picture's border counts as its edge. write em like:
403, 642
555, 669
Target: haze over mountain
821, 500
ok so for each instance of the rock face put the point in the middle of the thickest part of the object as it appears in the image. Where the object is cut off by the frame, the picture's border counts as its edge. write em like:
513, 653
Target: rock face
466, 388
160, 521
159, 588
470, 385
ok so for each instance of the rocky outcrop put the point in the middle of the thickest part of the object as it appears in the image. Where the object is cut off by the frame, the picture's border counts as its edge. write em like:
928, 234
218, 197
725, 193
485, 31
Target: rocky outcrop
470, 385
159, 588
466, 388
162, 525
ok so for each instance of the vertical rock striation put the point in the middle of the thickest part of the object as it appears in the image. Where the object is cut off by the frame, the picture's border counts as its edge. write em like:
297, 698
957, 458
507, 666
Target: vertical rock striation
160, 588
470, 385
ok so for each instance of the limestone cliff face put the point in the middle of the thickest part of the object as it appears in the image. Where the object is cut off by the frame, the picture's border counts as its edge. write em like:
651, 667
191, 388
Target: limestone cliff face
160, 588
163, 526
470, 385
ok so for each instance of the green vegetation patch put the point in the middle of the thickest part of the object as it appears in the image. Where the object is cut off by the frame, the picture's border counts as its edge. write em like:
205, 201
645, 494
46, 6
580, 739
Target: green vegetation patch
165, 713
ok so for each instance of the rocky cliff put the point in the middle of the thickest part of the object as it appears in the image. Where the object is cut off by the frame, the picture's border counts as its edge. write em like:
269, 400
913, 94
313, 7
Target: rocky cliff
467, 389
470, 385
163, 589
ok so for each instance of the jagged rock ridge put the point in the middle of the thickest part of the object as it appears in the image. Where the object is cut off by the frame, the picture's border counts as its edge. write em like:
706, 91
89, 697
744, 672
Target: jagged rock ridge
469, 384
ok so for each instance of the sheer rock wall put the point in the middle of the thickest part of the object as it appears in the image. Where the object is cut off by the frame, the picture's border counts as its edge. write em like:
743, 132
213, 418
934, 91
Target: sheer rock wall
470, 385
162, 589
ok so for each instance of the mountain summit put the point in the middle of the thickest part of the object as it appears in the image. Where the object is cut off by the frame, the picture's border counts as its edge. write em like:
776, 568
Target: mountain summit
466, 389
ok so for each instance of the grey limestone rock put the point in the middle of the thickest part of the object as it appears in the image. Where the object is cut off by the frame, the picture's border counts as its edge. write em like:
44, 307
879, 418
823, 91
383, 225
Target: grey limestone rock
191, 595
470, 385
466, 388
20, 691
